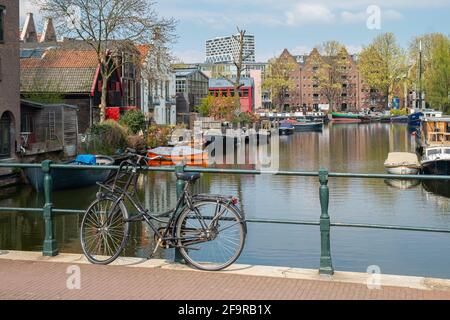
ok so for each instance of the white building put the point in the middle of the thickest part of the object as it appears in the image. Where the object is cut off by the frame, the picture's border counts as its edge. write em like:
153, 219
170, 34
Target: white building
226, 49
158, 90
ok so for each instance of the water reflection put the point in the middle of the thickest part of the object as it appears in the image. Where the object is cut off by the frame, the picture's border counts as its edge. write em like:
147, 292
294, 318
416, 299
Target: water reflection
402, 184
340, 148
438, 187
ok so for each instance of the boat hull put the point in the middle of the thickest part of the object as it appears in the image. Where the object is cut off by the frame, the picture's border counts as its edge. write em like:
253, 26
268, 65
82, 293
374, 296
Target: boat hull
346, 120
63, 179
197, 160
305, 127
414, 119
436, 167
402, 170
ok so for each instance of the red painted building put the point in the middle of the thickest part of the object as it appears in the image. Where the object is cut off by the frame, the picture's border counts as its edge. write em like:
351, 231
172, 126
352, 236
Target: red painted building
223, 88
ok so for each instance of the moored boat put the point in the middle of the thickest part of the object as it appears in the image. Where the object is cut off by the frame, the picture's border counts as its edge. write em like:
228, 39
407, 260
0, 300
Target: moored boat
345, 117
436, 161
286, 128
170, 156
400, 119
304, 126
72, 178
402, 163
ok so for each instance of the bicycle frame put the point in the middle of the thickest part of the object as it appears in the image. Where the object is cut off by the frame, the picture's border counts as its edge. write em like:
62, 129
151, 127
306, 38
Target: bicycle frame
144, 215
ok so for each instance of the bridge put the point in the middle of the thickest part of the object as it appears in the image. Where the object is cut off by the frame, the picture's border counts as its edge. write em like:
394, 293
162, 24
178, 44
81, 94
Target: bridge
33, 275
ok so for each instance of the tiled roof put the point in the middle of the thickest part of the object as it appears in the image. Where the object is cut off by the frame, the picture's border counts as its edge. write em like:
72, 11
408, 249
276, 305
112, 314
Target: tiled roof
57, 80
63, 59
62, 71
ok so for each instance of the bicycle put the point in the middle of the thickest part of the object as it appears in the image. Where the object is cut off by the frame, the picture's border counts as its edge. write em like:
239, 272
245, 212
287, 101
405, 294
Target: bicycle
209, 230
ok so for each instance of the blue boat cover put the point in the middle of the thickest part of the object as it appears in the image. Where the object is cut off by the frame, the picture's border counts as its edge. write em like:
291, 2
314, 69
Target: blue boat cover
87, 159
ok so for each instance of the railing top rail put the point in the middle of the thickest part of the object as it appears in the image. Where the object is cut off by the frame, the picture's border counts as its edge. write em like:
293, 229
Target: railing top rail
235, 171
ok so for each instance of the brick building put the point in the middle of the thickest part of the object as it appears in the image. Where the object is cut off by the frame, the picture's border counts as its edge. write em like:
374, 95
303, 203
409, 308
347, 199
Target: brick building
9, 79
306, 94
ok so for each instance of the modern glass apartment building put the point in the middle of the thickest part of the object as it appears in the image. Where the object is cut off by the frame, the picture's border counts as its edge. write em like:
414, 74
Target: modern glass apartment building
226, 49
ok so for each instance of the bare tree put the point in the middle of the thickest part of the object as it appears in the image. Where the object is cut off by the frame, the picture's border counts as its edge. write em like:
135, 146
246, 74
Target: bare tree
110, 27
238, 61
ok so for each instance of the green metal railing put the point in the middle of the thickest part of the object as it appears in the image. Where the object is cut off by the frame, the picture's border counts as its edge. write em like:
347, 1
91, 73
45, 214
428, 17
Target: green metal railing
50, 247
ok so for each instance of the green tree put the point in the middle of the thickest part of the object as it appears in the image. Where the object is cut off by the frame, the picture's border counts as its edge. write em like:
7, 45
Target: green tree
330, 70
205, 106
382, 64
134, 120
437, 75
279, 80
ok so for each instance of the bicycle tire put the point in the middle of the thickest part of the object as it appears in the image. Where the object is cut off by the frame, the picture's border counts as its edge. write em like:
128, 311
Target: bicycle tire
119, 234
186, 228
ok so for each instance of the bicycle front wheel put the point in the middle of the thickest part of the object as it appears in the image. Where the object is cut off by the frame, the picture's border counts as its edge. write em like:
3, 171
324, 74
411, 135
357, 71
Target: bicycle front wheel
211, 236
104, 231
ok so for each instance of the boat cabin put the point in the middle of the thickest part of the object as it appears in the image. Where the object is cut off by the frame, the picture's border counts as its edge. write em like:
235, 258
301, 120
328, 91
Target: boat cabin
430, 113
435, 132
436, 153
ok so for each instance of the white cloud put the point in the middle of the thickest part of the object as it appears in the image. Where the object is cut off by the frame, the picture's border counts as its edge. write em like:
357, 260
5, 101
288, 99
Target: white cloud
304, 13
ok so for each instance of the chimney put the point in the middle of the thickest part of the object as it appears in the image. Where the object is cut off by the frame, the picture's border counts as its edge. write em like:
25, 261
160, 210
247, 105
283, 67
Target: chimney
29, 30
48, 34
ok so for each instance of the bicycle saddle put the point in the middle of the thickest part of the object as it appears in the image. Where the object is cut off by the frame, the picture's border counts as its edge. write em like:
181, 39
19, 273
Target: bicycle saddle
187, 176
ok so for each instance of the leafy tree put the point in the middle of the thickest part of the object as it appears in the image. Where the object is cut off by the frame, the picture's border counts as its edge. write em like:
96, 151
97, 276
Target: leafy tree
278, 79
205, 106
134, 120
437, 75
331, 69
382, 64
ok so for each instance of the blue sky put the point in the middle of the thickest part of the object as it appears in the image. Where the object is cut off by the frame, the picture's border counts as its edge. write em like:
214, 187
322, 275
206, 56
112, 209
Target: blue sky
297, 25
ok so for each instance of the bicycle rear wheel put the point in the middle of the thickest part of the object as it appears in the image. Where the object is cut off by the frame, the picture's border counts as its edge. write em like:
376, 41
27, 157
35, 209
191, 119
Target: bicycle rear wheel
207, 243
104, 231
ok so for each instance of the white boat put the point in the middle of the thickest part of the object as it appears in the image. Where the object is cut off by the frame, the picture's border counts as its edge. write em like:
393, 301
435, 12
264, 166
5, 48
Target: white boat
402, 163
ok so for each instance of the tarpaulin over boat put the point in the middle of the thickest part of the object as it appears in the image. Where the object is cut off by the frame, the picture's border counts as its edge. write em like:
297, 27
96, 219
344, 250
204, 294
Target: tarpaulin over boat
402, 158
87, 159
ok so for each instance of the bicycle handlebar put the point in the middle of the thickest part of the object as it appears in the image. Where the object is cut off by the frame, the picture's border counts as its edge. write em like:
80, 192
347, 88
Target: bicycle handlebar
133, 153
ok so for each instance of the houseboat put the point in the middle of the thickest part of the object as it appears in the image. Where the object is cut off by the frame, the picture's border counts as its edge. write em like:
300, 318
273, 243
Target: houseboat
433, 145
415, 119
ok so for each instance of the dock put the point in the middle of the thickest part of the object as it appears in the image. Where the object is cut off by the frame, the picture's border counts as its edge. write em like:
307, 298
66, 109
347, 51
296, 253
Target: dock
29, 275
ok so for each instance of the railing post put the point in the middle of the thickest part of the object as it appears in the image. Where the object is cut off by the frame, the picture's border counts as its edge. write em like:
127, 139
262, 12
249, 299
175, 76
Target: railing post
326, 265
180, 189
50, 245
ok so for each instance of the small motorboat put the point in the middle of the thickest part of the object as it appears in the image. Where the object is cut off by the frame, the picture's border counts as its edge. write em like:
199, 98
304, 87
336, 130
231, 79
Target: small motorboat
72, 178
303, 126
402, 163
286, 128
170, 156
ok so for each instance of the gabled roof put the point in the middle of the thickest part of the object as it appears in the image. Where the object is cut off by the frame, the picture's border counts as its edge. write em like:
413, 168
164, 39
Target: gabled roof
62, 71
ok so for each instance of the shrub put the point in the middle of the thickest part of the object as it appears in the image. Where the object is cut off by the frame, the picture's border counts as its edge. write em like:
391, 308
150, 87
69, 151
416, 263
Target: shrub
107, 138
134, 120
401, 112
158, 136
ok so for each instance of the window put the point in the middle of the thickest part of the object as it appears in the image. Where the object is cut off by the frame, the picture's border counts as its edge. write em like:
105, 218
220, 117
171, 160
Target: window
2, 27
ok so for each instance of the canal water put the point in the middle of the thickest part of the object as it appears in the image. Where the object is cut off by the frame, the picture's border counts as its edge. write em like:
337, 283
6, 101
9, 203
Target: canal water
359, 148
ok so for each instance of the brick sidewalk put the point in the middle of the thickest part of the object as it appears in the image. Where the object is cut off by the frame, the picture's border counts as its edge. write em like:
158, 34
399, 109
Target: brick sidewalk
47, 280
